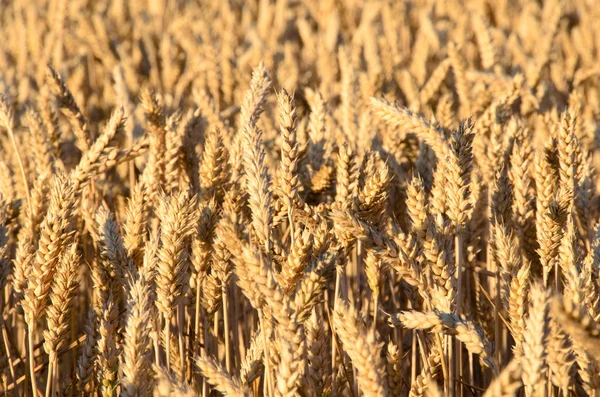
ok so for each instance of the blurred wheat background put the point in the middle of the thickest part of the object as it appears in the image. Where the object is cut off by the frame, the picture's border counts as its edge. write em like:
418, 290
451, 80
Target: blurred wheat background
299, 198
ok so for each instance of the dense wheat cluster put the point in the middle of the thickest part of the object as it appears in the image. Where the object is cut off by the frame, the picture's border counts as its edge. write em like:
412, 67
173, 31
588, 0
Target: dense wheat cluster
299, 198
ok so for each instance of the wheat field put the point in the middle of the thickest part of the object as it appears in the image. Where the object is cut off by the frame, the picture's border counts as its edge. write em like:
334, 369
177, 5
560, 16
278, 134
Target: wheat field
299, 198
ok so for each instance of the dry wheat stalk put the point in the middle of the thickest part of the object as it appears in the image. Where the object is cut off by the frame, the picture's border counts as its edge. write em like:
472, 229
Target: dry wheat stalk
214, 198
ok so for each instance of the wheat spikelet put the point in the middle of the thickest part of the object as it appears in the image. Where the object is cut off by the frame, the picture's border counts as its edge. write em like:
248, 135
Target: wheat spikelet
107, 360
112, 251
434, 82
178, 215
346, 177
465, 331
459, 175
507, 383
423, 380
485, 42
317, 354
373, 270
41, 151
27, 239
289, 150
134, 225
168, 385
61, 296
218, 377
211, 293
567, 148
48, 117
517, 302
559, 357
433, 390
394, 369
85, 363
523, 192
208, 107
201, 246
397, 116
174, 166
534, 342
580, 326
214, 169
154, 171
54, 236
258, 185
373, 196
312, 285
292, 270
255, 98
549, 236
69, 107
363, 348
252, 365
590, 291
460, 81
287, 372
91, 161
417, 207
136, 363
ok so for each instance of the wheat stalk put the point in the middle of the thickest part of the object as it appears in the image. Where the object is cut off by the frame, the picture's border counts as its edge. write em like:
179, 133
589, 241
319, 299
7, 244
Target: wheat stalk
214, 198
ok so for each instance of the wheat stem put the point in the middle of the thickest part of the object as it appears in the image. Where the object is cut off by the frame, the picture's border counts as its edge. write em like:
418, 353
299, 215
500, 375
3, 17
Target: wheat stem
180, 325
226, 329
13, 141
167, 340
269, 381
50, 379
31, 360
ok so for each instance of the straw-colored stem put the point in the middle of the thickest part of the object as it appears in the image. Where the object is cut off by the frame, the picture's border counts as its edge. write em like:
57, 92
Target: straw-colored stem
168, 341
215, 340
449, 347
8, 354
55, 377
375, 307
440, 345
204, 351
458, 249
268, 378
50, 380
333, 345
197, 318
226, 330
31, 360
180, 325
413, 358
156, 343
21, 168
